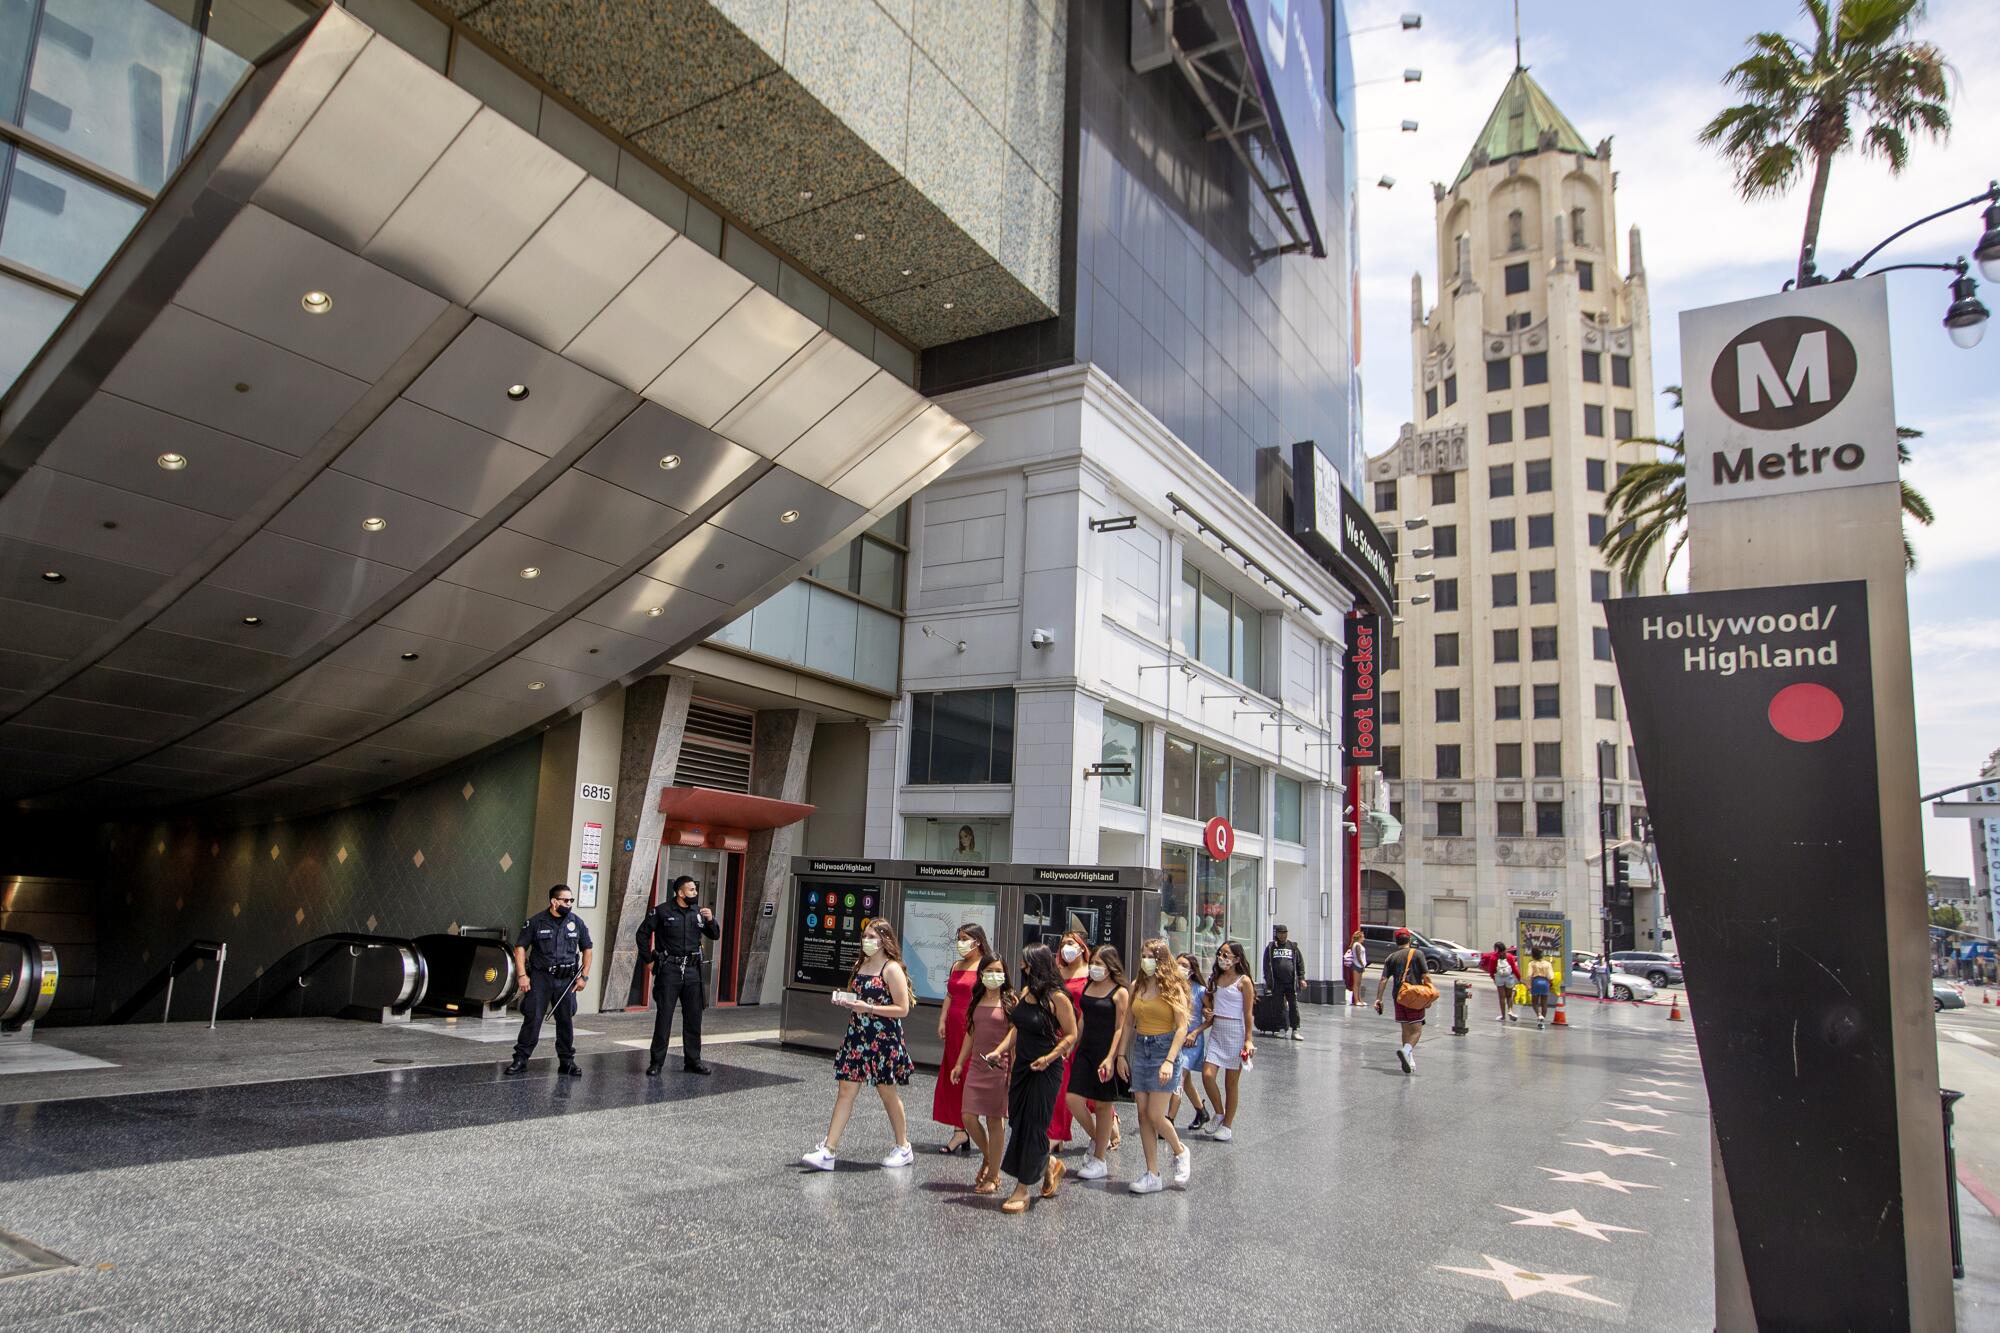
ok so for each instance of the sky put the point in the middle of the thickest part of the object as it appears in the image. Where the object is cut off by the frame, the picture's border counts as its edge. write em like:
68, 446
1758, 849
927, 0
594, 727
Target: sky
1648, 76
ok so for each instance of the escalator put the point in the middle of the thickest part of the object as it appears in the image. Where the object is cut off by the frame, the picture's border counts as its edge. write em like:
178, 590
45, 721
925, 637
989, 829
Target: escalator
29, 971
471, 973
160, 986
375, 977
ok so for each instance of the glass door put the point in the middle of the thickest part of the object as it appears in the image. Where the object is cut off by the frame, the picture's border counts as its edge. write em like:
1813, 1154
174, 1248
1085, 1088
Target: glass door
708, 868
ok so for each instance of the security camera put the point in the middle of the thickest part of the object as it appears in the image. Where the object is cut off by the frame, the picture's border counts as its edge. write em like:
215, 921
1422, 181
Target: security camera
1348, 827
1042, 638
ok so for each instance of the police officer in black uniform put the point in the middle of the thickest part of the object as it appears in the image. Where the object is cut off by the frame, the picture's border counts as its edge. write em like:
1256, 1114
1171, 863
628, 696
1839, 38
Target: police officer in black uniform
552, 959
670, 939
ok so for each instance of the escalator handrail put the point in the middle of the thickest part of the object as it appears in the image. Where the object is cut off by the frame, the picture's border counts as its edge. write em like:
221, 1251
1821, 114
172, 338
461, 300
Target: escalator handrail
506, 985
28, 1002
416, 971
181, 962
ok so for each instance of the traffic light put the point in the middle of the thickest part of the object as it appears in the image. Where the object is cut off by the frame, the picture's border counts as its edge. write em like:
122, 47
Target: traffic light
1621, 871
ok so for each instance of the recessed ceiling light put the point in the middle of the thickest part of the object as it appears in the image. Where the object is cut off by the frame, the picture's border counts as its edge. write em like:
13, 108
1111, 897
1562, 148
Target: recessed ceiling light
242, 387
54, 576
805, 195
253, 620
860, 235
656, 610
517, 391
908, 271
949, 305
171, 462
374, 524
537, 684
532, 572
670, 462
316, 303
409, 657
789, 516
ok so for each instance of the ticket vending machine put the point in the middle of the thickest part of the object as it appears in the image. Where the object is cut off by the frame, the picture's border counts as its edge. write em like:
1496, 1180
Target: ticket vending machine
926, 902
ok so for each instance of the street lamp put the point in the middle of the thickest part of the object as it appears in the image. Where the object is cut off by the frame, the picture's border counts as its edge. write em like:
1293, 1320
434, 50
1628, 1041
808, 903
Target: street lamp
1408, 23
1965, 319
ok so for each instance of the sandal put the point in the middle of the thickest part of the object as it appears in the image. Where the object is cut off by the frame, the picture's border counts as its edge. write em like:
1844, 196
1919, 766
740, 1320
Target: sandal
1052, 1177
1017, 1204
987, 1182
960, 1143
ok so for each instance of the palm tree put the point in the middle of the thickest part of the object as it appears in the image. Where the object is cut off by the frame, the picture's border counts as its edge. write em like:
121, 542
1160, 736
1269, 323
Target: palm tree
1801, 101
1647, 505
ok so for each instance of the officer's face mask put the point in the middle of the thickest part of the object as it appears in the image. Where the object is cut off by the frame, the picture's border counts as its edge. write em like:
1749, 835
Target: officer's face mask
559, 907
1098, 972
963, 945
870, 945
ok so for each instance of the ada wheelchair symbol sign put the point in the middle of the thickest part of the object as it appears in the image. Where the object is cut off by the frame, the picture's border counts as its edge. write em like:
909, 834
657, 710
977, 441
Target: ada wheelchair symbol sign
1789, 393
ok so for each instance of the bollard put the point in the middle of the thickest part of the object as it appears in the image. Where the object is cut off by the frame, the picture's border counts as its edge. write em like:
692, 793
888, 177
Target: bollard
1461, 998
1947, 1096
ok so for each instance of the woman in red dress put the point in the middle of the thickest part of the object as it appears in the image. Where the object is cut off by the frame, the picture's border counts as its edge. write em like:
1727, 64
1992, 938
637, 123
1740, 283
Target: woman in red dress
947, 1102
1073, 961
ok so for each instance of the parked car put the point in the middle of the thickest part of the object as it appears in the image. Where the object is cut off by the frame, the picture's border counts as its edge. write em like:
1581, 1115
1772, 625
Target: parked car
1659, 968
1624, 985
1944, 996
1381, 942
1468, 958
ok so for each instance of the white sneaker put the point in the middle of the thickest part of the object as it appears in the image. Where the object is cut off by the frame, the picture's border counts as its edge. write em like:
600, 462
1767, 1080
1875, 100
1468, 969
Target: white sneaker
1223, 1134
901, 1155
1403, 1057
1148, 1184
1297, 1035
1413, 1059
1183, 1165
1093, 1168
821, 1158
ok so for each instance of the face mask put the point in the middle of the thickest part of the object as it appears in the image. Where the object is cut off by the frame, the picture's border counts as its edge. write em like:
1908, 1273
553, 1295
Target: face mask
964, 947
1070, 953
871, 946
560, 909
1098, 973
1182, 970
1149, 965
994, 980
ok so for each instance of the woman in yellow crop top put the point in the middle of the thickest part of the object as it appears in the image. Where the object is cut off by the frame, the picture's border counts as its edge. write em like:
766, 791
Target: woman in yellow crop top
1154, 1037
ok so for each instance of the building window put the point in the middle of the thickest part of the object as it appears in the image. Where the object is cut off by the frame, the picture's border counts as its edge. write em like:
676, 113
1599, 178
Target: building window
1506, 587
1593, 420
1516, 240
1177, 777
1535, 422
1509, 823
871, 566
1447, 762
1621, 422
1499, 375
1200, 783
1392, 654
1607, 819
1541, 587
1593, 474
1548, 759
1444, 488
1506, 645
1600, 585
1535, 368
1447, 705
1576, 226
1541, 530
1499, 425
1431, 401
1631, 761
1222, 632
1507, 700
962, 736
1593, 367
1600, 643
1595, 525
1541, 475
1451, 819
1392, 707
1517, 278
1246, 796
1392, 762
1446, 596
1499, 481
1515, 323
1507, 759
1446, 649
1450, 390
1542, 643
1548, 819
1638, 826
1607, 703
1124, 743
1288, 822
1586, 276
1385, 496
1548, 701
1444, 541
1621, 371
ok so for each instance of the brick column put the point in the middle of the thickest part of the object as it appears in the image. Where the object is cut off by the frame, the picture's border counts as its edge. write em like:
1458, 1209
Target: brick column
655, 719
777, 770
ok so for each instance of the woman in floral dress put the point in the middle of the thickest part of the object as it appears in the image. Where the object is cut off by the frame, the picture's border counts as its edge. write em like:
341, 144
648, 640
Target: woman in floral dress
873, 1051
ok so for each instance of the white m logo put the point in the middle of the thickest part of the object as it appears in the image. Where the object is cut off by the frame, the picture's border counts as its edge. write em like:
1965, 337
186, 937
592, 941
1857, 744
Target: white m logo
1809, 377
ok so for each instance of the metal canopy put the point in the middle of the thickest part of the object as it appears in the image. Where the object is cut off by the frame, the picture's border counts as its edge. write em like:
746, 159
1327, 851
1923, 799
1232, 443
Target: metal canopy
531, 444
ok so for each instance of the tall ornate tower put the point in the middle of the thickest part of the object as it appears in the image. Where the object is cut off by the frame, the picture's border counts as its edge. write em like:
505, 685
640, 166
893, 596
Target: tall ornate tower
1531, 369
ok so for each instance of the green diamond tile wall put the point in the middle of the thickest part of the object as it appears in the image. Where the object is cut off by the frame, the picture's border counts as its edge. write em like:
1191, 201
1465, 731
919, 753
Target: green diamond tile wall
452, 852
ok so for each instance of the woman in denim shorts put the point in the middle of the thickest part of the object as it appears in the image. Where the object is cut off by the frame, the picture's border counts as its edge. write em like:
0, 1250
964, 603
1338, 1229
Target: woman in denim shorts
1194, 1049
1155, 1034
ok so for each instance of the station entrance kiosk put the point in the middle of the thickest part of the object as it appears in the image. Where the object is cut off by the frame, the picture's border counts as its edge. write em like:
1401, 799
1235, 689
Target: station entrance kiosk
926, 902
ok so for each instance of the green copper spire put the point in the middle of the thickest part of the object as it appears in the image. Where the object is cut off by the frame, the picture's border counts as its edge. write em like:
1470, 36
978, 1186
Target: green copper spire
1520, 119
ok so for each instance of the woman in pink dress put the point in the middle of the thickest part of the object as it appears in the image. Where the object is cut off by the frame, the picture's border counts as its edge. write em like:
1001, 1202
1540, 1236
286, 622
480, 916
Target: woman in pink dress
983, 1087
961, 989
1073, 961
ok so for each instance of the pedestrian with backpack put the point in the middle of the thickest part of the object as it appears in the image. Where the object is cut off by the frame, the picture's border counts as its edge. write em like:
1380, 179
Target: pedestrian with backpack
1505, 970
1407, 970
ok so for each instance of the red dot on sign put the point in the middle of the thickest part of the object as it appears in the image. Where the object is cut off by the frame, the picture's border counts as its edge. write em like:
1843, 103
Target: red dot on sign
1806, 712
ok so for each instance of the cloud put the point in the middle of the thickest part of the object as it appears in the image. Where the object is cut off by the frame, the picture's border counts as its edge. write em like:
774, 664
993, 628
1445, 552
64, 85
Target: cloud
1958, 722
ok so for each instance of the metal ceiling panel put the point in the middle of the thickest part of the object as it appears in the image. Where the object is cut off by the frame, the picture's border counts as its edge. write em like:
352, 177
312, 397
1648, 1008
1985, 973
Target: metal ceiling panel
592, 650
759, 514
344, 687
379, 761
454, 231
659, 314
742, 350
48, 630
193, 367
593, 516
718, 564
384, 649
386, 121
438, 458
428, 739
667, 458
632, 605
902, 457
568, 271
331, 510
515, 680
465, 615
208, 611
495, 566
89, 587
481, 715
807, 387
256, 742
852, 430
101, 719
321, 721
192, 759
87, 517
155, 652
305, 574
70, 744
258, 274
119, 442
470, 379
22, 671
101, 684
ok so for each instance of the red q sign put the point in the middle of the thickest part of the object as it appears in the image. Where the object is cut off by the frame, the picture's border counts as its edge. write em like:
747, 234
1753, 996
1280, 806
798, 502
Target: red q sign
1219, 838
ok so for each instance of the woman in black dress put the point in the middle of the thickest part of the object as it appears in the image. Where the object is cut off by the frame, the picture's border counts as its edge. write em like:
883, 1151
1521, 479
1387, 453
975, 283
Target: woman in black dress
1041, 1030
1098, 1078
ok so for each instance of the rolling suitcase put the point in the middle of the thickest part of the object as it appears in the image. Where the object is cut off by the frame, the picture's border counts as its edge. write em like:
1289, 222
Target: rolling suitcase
1268, 1014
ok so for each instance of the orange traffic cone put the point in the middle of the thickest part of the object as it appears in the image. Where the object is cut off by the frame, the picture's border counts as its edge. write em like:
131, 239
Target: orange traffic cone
1985, 996
1674, 1014
1559, 1020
